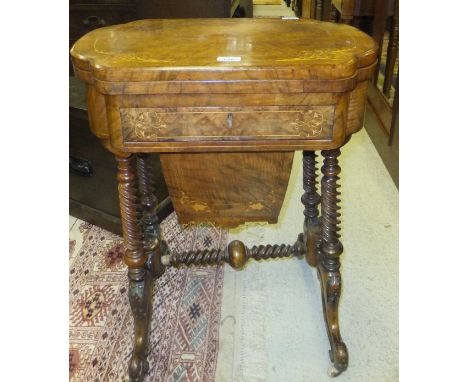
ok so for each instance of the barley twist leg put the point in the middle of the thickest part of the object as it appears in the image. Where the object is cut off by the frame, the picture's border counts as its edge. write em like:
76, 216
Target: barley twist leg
140, 280
311, 201
149, 218
329, 263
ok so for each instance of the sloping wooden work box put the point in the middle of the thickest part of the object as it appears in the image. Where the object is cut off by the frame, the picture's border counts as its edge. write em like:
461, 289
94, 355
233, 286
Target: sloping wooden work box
210, 94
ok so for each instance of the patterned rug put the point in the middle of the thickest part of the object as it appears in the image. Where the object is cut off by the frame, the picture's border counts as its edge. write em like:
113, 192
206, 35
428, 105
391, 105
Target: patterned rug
187, 308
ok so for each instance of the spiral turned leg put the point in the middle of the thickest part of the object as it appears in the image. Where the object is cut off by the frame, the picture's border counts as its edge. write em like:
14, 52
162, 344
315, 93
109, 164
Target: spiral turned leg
149, 218
140, 279
329, 263
311, 200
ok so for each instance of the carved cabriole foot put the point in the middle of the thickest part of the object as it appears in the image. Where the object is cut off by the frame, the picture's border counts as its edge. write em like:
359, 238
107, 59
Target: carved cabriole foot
149, 218
329, 264
139, 295
140, 279
311, 200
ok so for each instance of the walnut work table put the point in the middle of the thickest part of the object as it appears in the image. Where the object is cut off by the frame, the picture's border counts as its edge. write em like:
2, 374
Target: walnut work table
226, 102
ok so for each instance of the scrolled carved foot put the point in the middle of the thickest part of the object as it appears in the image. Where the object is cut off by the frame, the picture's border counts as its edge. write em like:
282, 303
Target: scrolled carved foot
339, 357
137, 369
331, 289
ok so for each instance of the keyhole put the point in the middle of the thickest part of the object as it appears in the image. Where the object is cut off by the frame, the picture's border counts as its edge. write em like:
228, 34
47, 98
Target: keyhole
229, 120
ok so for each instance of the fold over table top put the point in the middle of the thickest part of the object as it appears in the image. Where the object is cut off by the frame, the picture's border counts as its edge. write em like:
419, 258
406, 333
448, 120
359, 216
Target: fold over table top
206, 85
223, 49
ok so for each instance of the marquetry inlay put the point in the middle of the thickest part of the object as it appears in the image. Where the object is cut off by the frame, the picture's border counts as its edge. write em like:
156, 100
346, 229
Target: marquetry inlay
309, 124
189, 123
139, 121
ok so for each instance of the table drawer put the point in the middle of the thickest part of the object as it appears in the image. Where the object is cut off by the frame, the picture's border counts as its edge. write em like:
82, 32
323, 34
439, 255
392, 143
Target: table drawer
226, 123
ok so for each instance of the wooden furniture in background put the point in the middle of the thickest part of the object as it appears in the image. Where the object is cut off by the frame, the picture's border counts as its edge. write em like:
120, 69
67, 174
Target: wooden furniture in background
87, 15
94, 197
382, 115
183, 89
308, 9
380, 19
344, 11
92, 183
182, 9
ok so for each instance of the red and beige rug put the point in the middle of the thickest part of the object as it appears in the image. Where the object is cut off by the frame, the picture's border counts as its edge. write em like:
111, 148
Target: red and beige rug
187, 308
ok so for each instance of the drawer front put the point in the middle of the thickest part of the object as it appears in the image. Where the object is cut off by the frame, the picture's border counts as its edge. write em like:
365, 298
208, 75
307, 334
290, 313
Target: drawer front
85, 18
226, 123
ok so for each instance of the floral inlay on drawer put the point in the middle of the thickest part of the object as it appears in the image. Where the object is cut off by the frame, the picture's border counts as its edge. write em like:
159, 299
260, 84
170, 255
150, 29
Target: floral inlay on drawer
227, 123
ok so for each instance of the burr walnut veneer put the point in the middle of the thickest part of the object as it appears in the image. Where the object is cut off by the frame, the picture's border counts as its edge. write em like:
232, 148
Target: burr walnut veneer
225, 103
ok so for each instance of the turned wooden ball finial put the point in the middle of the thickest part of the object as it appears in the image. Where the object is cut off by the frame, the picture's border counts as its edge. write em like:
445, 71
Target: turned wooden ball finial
237, 254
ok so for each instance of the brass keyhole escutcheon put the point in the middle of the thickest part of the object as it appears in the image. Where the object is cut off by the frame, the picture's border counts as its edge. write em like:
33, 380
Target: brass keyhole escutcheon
229, 120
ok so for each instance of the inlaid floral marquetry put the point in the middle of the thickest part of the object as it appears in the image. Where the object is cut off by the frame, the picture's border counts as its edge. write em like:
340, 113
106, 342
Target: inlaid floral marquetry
140, 120
226, 123
309, 124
